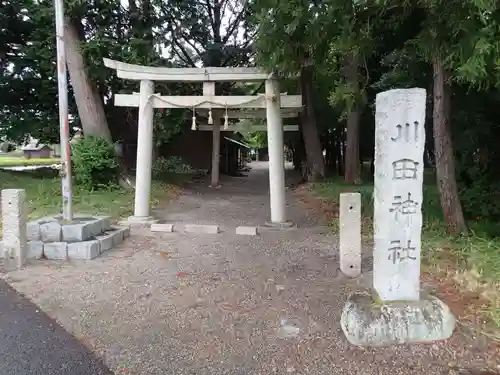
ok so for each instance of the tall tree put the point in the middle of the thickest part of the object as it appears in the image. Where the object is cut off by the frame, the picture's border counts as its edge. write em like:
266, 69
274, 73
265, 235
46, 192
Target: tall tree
208, 32
28, 100
351, 46
297, 27
88, 99
456, 40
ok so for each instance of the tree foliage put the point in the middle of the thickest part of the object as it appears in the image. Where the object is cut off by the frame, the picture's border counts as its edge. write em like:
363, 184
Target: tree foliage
359, 48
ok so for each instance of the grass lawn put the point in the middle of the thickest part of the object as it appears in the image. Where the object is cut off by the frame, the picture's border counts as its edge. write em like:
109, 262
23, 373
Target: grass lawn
43, 189
471, 263
12, 161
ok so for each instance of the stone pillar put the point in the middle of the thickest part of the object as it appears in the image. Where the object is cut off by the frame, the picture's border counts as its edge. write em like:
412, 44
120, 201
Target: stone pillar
276, 157
214, 181
399, 176
14, 227
395, 312
144, 154
350, 234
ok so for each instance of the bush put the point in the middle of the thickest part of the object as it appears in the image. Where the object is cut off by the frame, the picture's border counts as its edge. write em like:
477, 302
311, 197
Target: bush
172, 164
94, 162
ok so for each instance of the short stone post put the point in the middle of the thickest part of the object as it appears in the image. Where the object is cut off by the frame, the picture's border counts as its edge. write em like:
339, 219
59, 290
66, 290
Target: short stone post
350, 234
395, 312
14, 227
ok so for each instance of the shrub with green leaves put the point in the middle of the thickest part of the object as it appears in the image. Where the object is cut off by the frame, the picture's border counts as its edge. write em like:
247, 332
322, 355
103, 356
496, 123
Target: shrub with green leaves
172, 164
94, 162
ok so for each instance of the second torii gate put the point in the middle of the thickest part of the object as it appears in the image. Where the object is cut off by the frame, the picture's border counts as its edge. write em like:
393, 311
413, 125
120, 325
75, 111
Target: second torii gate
273, 102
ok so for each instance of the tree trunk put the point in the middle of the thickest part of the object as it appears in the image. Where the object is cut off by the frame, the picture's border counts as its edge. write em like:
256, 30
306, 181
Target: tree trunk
352, 164
342, 157
329, 156
429, 139
314, 155
300, 157
445, 160
88, 100
336, 157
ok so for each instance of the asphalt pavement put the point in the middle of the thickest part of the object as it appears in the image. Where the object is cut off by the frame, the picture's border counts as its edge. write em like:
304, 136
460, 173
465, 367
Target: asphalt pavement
31, 343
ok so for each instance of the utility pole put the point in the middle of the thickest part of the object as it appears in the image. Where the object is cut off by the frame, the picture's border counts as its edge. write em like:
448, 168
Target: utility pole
62, 85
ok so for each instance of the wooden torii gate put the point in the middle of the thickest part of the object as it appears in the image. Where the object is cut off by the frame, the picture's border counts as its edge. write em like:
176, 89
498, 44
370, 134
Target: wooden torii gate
272, 104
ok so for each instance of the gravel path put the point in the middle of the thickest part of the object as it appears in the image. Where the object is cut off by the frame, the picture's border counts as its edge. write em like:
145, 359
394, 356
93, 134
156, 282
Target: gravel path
227, 304
239, 201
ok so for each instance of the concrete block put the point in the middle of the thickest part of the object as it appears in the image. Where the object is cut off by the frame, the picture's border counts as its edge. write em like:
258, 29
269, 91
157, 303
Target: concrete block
84, 250
35, 250
246, 231
350, 234
50, 232
55, 250
76, 232
126, 232
370, 323
204, 229
33, 231
105, 223
46, 219
106, 241
95, 227
118, 235
169, 228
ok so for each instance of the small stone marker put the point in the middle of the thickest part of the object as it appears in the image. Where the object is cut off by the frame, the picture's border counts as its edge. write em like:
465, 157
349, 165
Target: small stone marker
14, 227
162, 227
395, 312
201, 228
246, 231
350, 234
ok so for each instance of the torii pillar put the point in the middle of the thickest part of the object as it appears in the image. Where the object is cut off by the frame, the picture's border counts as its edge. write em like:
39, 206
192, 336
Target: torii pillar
209, 90
276, 154
142, 207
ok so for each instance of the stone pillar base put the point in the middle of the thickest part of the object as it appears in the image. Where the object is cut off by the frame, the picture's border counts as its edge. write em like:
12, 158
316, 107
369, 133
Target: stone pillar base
371, 324
269, 225
141, 220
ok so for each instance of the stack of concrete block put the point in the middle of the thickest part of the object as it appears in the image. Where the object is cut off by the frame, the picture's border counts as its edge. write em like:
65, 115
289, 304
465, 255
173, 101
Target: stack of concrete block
84, 238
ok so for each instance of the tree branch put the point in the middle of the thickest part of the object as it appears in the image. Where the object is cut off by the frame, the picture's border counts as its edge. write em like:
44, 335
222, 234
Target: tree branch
175, 43
187, 59
191, 44
211, 14
232, 27
217, 20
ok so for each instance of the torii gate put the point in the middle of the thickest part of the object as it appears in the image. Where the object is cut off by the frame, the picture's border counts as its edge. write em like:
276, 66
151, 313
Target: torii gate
273, 102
